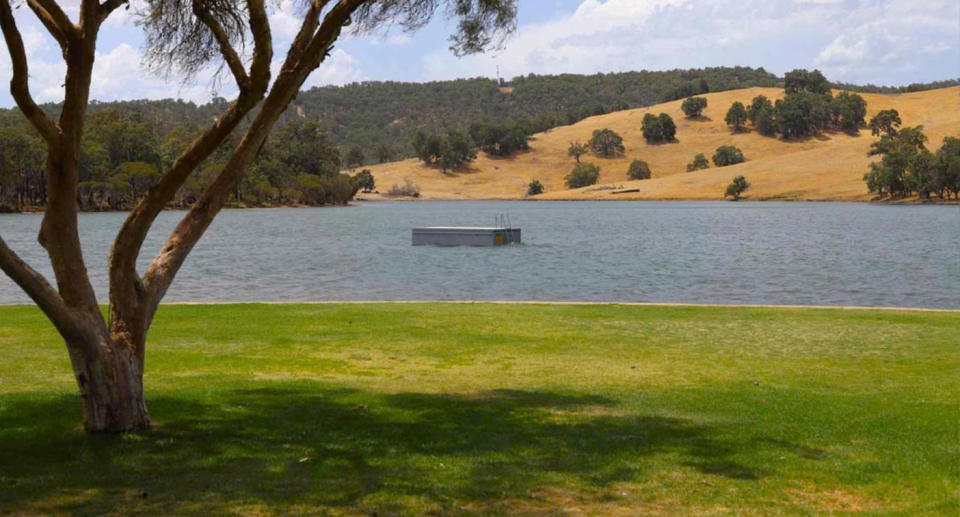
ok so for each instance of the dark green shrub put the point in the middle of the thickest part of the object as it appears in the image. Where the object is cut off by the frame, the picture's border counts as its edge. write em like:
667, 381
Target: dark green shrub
736, 188
699, 162
693, 106
582, 175
534, 188
727, 155
639, 170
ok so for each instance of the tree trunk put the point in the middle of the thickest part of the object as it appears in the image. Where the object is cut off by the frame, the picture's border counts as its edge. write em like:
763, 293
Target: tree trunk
111, 387
109, 374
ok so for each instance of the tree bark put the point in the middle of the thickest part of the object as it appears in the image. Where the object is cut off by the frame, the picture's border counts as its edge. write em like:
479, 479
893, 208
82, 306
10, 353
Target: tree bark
110, 380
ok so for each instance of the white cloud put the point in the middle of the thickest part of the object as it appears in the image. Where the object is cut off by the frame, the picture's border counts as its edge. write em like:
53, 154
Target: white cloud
338, 69
881, 41
853, 41
894, 36
118, 74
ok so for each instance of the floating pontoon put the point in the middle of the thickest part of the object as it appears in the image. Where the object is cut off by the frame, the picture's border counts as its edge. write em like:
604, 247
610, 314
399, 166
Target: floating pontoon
497, 235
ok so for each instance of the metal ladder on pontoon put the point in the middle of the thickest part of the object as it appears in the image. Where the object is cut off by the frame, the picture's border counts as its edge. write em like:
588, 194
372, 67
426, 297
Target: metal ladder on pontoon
503, 221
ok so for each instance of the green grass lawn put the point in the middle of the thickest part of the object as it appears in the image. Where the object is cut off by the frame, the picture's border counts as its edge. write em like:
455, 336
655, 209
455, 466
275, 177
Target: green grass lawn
502, 409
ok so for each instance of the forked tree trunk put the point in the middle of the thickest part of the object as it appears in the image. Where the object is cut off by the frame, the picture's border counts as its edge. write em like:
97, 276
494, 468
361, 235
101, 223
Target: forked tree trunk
110, 380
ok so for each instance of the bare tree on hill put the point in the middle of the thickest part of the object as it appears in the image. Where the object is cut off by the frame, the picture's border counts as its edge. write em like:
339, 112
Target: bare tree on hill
182, 36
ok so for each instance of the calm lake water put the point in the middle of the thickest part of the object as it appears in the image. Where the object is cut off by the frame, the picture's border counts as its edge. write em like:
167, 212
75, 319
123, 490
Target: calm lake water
709, 252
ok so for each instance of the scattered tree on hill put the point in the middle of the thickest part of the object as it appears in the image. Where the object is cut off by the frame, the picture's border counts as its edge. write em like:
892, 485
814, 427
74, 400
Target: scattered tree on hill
848, 111
576, 150
802, 114
736, 188
727, 155
736, 116
891, 176
802, 81
885, 122
582, 175
668, 130
807, 108
906, 166
699, 162
911, 137
365, 181
761, 115
606, 143
639, 170
107, 351
693, 106
535, 188
354, 157
658, 129
948, 168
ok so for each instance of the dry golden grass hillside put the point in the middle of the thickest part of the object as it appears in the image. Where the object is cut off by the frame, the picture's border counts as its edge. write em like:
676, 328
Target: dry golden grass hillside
830, 166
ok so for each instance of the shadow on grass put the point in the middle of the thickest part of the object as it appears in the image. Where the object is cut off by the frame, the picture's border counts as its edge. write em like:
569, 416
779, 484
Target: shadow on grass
309, 446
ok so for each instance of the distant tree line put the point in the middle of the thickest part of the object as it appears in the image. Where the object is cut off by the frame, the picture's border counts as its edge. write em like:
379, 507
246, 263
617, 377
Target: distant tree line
123, 155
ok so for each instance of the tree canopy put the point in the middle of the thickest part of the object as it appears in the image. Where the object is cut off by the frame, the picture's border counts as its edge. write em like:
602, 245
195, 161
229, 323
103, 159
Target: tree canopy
736, 116
736, 188
693, 106
699, 162
638, 170
906, 166
802, 81
606, 143
582, 175
885, 122
576, 150
728, 155
658, 129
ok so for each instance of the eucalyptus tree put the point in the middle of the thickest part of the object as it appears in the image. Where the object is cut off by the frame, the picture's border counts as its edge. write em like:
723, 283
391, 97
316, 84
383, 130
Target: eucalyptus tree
182, 37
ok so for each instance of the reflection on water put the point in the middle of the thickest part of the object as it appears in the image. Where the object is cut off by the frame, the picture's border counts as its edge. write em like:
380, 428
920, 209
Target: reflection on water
710, 252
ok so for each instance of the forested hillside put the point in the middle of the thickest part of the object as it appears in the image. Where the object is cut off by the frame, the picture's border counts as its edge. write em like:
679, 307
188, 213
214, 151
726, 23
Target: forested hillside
128, 144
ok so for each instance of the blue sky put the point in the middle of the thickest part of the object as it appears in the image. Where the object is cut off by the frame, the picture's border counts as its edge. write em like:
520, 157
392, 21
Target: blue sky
890, 42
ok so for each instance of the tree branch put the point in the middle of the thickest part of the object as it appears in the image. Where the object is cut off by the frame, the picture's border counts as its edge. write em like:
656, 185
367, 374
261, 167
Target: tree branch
109, 6
55, 20
167, 263
310, 21
19, 83
223, 41
39, 290
329, 31
127, 292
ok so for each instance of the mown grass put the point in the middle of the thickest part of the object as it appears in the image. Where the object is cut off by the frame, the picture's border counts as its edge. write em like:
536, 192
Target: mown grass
499, 409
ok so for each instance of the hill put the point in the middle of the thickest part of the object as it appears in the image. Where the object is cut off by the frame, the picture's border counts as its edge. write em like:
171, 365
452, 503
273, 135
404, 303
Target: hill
830, 166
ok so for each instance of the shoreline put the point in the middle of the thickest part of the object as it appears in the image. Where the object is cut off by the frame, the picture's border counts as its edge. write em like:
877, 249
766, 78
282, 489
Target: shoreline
356, 202
554, 303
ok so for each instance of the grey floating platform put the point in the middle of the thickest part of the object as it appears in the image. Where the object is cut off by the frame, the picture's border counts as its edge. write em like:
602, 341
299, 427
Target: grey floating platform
464, 236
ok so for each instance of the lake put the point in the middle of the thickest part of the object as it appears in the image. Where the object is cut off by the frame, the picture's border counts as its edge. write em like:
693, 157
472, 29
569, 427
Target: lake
702, 252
